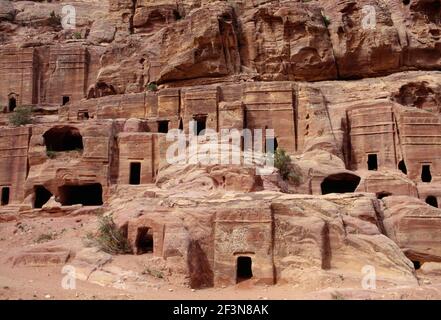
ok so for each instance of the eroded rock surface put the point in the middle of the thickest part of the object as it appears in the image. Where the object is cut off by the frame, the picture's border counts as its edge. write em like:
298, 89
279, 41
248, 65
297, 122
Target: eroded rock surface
350, 89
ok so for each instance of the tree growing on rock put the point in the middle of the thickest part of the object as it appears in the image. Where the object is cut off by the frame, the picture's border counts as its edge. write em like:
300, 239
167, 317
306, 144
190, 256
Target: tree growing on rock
287, 169
21, 116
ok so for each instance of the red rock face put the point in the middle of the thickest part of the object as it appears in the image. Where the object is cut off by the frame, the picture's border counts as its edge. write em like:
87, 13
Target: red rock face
350, 89
287, 42
360, 50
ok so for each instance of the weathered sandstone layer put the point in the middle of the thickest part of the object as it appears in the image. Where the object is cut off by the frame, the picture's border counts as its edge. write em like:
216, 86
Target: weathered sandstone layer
351, 90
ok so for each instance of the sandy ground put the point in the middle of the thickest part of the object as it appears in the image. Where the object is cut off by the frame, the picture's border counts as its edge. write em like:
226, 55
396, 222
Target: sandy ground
45, 282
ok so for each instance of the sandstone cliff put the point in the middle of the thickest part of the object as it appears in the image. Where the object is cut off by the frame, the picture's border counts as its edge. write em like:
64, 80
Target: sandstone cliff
351, 90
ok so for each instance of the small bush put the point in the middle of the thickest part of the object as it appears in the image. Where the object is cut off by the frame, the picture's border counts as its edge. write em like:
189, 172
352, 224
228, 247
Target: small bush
326, 20
76, 35
153, 273
287, 169
109, 238
51, 154
337, 296
54, 19
152, 86
21, 116
45, 237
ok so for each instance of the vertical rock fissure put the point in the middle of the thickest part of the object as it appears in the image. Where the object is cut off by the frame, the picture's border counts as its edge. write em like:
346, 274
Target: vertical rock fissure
131, 27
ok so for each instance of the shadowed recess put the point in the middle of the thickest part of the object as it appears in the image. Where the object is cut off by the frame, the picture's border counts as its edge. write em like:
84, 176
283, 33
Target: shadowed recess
340, 183
87, 195
63, 138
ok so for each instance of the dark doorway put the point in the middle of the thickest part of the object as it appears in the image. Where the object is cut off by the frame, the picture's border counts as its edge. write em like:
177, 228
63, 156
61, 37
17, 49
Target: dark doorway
87, 195
163, 126
144, 240
383, 194
201, 124
402, 167
181, 125
244, 269
416, 264
372, 162
12, 104
5, 196
42, 195
135, 173
433, 201
426, 175
63, 138
340, 183
66, 100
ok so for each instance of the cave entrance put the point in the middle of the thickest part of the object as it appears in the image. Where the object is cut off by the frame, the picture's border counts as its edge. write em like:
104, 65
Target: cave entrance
135, 173
416, 264
244, 269
42, 196
426, 175
66, 100
63, 138
340, 183
163, 126
144, 240
432, 200
402, 167
181, 125
201, 123
372, 162
5, 196
12, 104
87, 195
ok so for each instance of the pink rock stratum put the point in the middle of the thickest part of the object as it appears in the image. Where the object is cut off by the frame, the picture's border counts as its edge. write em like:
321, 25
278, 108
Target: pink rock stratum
347, 92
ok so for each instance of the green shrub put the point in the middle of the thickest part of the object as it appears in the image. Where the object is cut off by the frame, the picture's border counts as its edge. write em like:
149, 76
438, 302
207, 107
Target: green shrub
109, 238
326, 20
76, 35
152, 86
21, 116
287, 169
